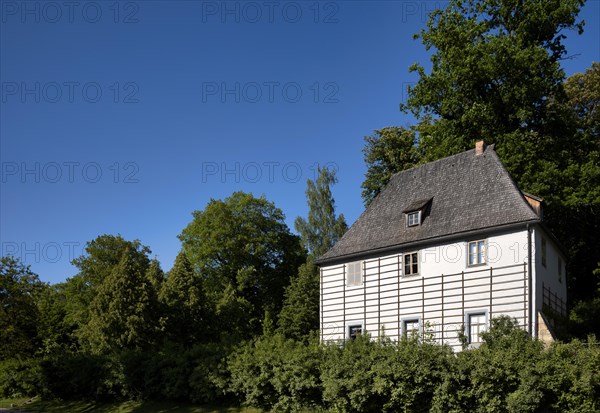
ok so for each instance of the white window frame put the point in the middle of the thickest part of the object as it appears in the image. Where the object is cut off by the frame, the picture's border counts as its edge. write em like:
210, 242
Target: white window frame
410, 222
411, 320
351, 327
354, 282
480, 256
473, 313
412, 263
353, 323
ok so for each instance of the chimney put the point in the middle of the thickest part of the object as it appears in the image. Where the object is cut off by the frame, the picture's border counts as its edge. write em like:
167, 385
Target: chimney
479, 147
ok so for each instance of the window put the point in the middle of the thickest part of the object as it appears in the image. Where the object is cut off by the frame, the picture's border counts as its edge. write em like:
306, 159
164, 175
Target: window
354, 276
413, 218
560, 269
543, 252
476, 323
410, 327
477, 252
411, 263
354, 331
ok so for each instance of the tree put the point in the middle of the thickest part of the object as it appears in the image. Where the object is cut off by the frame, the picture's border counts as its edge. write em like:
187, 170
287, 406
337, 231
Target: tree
387, 152
19, 287
102, 256
495, 71
322, 229
300, 313
245, 253
185, 304
123, 314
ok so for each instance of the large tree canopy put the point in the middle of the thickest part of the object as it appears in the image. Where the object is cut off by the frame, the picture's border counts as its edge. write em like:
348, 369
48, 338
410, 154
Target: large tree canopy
245, 254
495, 71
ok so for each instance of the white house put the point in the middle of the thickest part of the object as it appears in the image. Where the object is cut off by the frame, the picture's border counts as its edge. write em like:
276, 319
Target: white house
445, 247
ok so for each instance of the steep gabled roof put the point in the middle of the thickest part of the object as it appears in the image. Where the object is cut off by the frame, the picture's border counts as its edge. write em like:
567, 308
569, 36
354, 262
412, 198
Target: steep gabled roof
461, 193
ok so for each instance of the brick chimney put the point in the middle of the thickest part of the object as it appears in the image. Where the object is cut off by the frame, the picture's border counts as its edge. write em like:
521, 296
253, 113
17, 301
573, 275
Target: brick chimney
479, 147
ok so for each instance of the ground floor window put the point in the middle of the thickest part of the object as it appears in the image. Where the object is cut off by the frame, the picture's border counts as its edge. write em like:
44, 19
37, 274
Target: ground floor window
354, 331
410, 326
476, 324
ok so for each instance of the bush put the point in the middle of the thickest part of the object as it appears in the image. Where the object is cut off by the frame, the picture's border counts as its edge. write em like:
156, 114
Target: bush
276, 373
376, 376
21, 378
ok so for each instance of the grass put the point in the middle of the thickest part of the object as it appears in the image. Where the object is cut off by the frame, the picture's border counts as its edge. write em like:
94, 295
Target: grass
40, 406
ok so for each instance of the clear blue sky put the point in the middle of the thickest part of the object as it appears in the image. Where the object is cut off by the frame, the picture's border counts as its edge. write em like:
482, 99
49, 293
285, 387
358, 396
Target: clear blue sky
126, 117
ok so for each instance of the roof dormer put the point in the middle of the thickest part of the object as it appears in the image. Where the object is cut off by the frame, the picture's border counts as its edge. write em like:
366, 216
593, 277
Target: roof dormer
415, 212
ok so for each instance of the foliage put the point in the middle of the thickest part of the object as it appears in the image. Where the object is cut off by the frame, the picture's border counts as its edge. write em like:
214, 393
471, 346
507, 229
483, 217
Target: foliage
276, 373
322, 229
21, 378
102, 256
184, 301
319, 232
19, 315
300, 313
245, 253
375, 376
388, 151
123, 314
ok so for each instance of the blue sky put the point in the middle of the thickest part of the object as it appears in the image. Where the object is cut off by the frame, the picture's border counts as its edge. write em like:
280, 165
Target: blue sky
124, 117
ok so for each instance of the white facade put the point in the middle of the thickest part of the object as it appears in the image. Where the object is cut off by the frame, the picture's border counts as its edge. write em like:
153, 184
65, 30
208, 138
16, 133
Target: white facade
456, 286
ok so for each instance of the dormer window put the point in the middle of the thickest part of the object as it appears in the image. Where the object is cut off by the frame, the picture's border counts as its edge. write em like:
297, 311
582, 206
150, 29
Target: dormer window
417, 211
413, 218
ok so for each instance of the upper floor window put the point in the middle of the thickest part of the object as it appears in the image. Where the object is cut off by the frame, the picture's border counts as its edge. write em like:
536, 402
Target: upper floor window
477, 252
354, 274
544, 252
411, 263
413, 218
560, 269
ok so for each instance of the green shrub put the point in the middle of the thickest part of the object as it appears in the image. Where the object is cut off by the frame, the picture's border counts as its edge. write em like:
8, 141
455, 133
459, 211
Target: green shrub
21, 378
276, 373
376, 376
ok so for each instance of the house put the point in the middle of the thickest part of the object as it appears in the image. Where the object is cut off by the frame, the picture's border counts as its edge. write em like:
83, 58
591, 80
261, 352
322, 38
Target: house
444, 248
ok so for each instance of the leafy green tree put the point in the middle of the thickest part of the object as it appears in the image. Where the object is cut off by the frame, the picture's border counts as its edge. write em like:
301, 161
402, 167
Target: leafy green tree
300, 313
577, 219
123, 313
322, 229
19, 287
387, 152
102, 256
55, 333
245, 253
495, 71
185, 304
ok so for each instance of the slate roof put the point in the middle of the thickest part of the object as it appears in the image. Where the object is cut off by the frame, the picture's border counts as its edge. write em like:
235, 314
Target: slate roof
460, 194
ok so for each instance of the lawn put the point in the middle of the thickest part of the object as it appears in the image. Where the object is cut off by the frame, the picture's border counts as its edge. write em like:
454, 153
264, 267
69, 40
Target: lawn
39, 406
